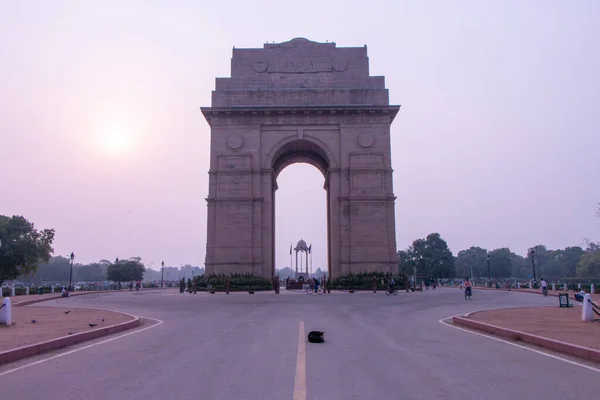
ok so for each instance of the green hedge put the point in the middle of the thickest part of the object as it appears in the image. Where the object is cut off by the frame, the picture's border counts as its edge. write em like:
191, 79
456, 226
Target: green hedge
237, 283
364, 281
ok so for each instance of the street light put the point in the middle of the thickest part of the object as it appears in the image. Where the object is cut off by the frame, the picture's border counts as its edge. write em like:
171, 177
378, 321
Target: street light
162, 273
532, 255
72, 257
489, 274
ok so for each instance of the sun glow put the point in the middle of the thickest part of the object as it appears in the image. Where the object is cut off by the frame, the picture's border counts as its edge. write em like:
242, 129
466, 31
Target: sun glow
116, 141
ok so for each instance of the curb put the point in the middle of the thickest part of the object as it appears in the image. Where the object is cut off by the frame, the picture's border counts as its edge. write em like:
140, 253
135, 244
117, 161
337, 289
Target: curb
64, 341
73, 294
42, 299
556, 345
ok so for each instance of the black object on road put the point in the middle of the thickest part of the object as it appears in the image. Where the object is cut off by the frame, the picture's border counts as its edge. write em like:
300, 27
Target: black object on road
316, 337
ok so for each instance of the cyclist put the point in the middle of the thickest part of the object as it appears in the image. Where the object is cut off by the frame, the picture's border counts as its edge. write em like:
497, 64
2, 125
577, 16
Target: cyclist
467, 286
544, 286
391, 284
316, 284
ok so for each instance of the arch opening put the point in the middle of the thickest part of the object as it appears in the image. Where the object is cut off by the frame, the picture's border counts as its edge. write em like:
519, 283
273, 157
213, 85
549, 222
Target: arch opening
300, 151
299, 159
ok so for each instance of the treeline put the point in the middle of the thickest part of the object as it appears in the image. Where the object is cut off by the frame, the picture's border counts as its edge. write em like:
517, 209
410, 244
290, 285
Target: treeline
57, 270
288, 272
431, 258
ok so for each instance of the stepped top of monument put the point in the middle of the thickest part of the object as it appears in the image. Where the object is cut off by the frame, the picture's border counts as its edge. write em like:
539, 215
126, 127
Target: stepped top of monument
300, 72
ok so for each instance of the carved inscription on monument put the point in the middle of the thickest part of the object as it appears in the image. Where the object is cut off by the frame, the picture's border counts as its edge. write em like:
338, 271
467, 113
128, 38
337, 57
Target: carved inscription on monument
297, 65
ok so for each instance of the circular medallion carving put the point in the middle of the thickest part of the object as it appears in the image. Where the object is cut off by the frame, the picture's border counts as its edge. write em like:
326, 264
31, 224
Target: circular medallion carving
235, 142
260, 66
339, 65
365, 140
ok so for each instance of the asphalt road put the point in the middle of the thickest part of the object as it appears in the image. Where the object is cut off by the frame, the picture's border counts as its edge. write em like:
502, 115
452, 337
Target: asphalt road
243, 346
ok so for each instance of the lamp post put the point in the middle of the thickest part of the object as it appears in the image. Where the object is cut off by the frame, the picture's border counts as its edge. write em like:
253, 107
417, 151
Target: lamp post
72, 257
489, 274
532, 255
162, 273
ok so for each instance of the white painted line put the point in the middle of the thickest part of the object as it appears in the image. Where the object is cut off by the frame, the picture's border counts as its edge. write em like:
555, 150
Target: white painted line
441, 321
300, 380
158, 322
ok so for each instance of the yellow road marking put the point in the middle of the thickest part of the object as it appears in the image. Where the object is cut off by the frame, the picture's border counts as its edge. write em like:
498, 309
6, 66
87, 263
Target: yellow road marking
300, 381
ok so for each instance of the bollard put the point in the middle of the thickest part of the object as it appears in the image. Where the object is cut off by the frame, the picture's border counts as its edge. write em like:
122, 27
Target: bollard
27, 291
565, 288
6, 312
553, 286
587, 313
52, 289
592, 289
12, 291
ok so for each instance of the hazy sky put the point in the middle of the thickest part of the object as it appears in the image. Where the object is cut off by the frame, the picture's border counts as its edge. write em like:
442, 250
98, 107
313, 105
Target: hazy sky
496, 144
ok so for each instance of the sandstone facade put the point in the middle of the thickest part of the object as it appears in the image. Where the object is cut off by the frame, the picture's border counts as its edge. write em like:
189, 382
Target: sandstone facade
300, 101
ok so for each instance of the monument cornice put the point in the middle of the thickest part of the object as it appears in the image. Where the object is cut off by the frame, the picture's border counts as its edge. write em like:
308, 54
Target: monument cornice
301, 115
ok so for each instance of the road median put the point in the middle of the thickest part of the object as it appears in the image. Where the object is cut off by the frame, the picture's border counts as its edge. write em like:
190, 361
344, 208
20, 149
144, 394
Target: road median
41, 329
556, 330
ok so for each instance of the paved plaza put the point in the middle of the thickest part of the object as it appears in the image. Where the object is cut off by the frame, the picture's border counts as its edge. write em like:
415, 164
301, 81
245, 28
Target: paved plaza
243, 346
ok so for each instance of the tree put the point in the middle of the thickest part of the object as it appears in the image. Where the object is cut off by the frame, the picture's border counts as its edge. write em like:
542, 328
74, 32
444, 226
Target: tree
55, 270
521, 266
472, 257
284, 272
125, 270
22, 247
319, 273
406, 262
501, 263
94, 272
589, 265
432, 257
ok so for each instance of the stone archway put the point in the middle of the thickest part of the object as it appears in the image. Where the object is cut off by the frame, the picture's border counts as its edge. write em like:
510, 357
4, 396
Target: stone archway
300, 101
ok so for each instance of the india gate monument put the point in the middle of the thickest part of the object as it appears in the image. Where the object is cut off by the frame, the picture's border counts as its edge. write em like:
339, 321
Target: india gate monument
307, 102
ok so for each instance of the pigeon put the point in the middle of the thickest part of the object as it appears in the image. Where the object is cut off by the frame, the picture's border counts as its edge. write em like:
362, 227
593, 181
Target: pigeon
316, 337
66, 312
102, 319
33, 321
92, 325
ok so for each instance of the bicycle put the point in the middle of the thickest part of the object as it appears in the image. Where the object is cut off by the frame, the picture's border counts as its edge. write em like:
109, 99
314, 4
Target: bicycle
311, 290
390, 291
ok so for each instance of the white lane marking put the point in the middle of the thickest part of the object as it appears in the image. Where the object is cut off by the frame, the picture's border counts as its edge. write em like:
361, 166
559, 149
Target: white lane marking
441, 321
158, 323
300, 380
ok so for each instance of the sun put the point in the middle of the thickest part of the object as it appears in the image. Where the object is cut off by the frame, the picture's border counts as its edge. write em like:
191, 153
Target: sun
116, 141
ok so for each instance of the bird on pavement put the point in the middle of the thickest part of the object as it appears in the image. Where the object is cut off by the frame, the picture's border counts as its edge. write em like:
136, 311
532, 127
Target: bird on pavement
33, 321
66, 312
102, 319
92, 325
